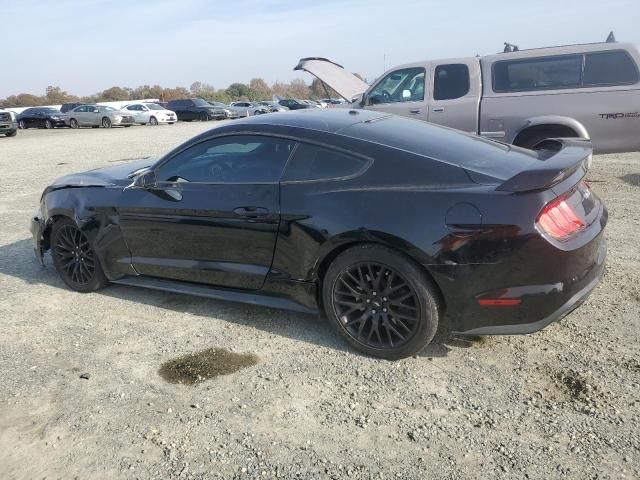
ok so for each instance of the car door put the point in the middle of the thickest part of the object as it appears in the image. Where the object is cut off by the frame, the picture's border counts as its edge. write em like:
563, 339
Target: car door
401, 92
455, 95
212, 215
79, 114
92, 116
136, 112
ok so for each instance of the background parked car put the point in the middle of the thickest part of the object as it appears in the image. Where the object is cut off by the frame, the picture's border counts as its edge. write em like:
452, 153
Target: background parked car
188, 109
230, 113
8, 124
246, 109
67, 107
41, 117
293, 104
274, 106
150, 113
96, 116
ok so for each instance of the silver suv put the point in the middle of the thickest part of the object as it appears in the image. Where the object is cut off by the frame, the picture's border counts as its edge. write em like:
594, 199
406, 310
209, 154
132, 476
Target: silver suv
519, 97
8, 123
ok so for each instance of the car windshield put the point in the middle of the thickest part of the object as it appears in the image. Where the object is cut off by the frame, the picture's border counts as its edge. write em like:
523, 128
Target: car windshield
218, 104
153, 106
198, 102
104, 108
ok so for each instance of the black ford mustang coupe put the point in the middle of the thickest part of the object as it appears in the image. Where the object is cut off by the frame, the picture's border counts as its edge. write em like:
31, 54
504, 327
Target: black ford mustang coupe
383, 223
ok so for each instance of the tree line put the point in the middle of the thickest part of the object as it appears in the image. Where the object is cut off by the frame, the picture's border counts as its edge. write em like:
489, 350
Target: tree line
257, 89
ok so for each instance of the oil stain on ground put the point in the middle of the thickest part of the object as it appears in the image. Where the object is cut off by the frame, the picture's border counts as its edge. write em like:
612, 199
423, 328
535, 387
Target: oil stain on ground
201, 366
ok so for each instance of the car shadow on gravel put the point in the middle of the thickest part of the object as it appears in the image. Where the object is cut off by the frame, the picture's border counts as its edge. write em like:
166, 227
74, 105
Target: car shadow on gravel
631, 179
17, 260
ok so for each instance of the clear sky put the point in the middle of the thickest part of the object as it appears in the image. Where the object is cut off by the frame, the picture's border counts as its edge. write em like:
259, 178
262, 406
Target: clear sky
85, 46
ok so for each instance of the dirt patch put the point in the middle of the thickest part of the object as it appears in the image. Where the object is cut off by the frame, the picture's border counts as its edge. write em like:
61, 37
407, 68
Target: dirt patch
631, 179
201, 366
576, 386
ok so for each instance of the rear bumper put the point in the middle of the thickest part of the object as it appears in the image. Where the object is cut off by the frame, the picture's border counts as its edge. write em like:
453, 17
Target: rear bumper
541, 304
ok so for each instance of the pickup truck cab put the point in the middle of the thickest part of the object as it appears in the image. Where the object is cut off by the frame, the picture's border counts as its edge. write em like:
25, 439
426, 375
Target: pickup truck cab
518, 97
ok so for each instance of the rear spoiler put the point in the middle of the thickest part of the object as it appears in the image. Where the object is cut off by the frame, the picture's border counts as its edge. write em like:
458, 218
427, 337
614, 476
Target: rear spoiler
559, 158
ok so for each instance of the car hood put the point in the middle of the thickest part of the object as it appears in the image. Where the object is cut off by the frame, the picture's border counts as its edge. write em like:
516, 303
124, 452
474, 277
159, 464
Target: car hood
116, 175
345, 83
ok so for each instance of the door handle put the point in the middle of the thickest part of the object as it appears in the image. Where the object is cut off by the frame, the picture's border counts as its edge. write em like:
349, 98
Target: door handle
415, 111
438, 109
251, 212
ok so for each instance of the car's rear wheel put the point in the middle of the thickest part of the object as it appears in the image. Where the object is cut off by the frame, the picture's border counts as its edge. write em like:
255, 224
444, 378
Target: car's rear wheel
204, 117
153, 121
381, 302
106, 122
73, 123
74, 258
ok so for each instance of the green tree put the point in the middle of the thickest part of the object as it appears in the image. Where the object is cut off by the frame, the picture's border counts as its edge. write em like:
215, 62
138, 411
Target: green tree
238, 91
114, 94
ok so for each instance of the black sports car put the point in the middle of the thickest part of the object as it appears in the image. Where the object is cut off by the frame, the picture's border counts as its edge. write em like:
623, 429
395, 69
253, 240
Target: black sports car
41, 117
382, 222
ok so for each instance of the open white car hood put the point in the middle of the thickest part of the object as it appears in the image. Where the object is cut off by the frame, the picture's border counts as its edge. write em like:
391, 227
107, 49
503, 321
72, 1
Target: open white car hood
346, 84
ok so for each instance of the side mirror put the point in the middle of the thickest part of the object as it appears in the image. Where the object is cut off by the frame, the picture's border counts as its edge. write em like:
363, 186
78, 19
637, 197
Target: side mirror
145, 179
406, 94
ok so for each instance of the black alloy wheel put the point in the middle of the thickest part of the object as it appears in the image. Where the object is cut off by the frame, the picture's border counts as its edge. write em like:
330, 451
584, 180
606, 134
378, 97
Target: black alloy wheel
74, 257
106, 122
22, 125
381, 302
204, 117
48, 125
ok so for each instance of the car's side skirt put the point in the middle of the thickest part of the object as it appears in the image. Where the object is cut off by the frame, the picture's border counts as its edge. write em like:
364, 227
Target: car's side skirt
254, 298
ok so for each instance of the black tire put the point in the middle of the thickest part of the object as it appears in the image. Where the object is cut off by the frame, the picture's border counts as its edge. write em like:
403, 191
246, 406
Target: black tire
74, 258
153, 121
95, 126
204, 117
22, 125
48, 125
12, 134
393, 295
106, 122
73, 123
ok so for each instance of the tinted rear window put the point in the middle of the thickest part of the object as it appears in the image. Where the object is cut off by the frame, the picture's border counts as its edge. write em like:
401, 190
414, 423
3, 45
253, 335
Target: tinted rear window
311, 162
470, 152
538, 73
609, 68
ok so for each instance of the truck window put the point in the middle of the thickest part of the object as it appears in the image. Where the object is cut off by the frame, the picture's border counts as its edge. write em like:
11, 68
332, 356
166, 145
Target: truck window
543, 73
609, 68
451, 81
406, 85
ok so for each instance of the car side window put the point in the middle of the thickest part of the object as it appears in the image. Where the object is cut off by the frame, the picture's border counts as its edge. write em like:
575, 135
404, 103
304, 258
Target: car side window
451, 81
313, 163
609, 68
81, 109
406, 85
543, 73
232, 159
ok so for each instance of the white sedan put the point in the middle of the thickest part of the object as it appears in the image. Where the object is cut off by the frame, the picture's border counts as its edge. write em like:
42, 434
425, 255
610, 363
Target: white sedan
150, 113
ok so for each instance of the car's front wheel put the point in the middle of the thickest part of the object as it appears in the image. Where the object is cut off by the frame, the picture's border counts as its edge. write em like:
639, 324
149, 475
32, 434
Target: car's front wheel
22, 125
153, 121
106, 122
74, 258
381, 302
48, 125
204, 117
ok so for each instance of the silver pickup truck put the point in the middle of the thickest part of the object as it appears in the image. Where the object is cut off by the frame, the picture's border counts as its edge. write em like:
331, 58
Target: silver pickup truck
519, 97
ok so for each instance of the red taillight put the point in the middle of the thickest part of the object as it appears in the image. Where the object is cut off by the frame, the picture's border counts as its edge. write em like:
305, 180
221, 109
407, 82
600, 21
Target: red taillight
559, 220
499, 302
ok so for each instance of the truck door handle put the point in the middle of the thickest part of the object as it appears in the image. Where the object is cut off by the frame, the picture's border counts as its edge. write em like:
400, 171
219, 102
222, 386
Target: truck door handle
438, 110
415, 111
251, 212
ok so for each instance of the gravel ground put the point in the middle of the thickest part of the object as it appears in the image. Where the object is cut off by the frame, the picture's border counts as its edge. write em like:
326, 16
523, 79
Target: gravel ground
562, 403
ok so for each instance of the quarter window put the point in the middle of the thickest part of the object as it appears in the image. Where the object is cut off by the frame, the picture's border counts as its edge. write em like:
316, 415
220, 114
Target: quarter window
451, 81
609, 68
233, 159
405, 85
538, 73
311, 162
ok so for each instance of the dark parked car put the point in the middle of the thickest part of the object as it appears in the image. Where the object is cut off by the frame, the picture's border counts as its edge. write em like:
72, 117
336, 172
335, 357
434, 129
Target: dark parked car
195, 109
382, 222
293, 104
40, 117
67, 107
